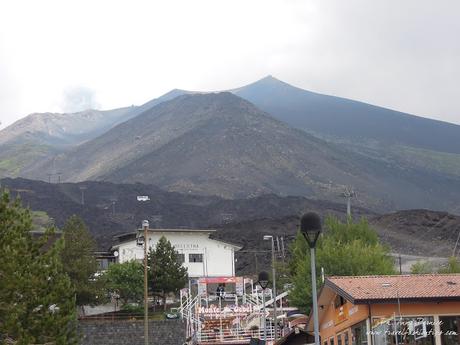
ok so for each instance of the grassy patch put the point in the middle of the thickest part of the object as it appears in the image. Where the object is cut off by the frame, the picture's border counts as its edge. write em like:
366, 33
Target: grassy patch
40, 220
448, 163
9, 167
14, 158
134, 310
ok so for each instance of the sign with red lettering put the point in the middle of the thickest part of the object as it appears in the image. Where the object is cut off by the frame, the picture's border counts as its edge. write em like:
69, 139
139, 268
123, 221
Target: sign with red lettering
218, 280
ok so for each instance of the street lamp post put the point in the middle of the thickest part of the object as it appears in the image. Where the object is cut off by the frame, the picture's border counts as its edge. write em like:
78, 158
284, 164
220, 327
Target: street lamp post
263, 282
145, 226
268, 237
220, 295
310, 226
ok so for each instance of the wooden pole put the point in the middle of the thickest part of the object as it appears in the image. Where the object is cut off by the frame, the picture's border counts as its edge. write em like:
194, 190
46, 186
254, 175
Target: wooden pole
146, 303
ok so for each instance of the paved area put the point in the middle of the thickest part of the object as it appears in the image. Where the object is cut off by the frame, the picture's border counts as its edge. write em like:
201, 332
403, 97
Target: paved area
408, 260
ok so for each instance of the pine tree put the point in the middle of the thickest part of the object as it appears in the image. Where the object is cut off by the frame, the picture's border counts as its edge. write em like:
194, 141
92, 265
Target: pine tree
166, 273
37, 303
79, 261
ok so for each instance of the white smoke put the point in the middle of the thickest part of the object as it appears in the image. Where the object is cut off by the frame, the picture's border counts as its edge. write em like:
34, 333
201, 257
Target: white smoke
78, 99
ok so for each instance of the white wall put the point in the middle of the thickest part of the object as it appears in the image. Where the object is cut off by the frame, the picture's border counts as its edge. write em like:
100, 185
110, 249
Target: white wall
218, 257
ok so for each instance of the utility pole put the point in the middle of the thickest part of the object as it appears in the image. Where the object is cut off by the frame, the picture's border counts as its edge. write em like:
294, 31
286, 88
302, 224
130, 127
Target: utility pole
348, 194
456, 244
282, 248
82, 189
145, 225
275, 321
275, 314
113, 200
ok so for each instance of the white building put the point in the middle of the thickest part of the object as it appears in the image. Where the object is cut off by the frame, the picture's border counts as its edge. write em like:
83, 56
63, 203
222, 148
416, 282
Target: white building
201, 255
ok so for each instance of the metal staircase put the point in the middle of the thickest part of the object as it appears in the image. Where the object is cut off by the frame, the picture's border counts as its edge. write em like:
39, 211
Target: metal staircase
224, 323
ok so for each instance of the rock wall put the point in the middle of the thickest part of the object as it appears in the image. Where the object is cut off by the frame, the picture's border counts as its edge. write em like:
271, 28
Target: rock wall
122, 332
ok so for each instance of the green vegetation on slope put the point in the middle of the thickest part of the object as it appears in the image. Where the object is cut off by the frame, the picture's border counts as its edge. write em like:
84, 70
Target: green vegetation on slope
14, 158
443, 162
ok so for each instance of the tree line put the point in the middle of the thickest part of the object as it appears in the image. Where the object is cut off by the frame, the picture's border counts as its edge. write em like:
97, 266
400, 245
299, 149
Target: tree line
46, 280
348, 248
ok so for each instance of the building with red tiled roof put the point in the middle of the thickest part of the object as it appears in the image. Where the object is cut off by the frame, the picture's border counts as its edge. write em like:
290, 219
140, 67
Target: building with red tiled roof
385, 310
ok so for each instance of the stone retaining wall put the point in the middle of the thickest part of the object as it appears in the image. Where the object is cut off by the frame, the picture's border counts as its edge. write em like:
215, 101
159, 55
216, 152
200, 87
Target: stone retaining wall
123, 332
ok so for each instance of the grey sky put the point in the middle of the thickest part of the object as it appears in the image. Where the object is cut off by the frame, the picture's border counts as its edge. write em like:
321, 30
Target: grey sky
401, 54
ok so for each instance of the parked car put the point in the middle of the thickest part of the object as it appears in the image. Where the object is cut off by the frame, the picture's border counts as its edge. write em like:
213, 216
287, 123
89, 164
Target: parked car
173, 313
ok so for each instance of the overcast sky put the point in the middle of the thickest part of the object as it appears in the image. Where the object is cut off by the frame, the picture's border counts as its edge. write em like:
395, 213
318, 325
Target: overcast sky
67, 55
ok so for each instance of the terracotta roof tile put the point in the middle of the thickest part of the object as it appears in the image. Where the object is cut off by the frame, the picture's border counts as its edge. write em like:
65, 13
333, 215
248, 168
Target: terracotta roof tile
420, 286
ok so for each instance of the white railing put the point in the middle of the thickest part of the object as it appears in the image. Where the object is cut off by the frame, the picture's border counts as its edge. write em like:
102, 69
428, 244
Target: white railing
186, 307
234, 335
251, 327
270, 301
186, 311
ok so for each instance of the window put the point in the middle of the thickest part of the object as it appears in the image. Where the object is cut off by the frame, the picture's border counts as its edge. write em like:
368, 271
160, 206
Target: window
410, 331
331, 341
359, 334
103, 264
339, 301
346, 338
339, 339
195, 258
450, 328
180, 258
